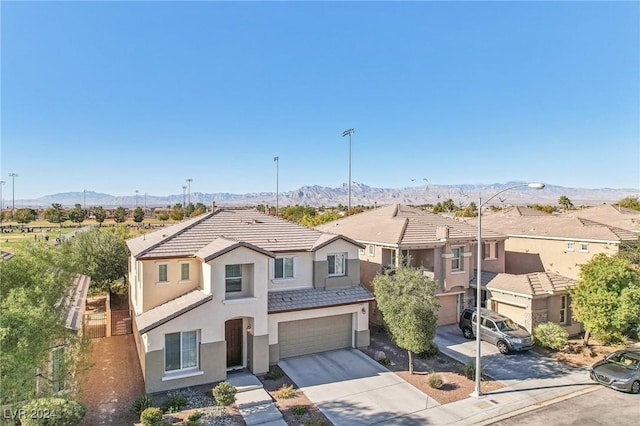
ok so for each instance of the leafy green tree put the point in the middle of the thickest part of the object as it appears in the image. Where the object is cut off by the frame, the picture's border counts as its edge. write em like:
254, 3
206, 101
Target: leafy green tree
630, 203
100, 214
188, 211
296, 213
565, 202
319, 219
102, 254
469, 211
138, 215
56, 214
77, 214
409, 306
543, 208
25, 216
33, 283
120, 215
631, 252
607, 298
200, 209
177, 213
164, 216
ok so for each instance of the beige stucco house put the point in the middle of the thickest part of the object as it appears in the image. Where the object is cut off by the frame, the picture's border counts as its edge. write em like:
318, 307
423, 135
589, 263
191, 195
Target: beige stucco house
240, 289
443, 247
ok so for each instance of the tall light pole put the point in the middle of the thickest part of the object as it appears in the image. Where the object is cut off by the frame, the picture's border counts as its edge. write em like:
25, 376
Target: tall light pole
189, 183
345, 133
137, 198
184, 196
84, 199
476, 392
1, 202
13, 193
277, 159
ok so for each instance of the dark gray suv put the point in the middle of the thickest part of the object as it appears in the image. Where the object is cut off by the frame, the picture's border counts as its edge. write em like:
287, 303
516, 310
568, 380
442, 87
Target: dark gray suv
496, 329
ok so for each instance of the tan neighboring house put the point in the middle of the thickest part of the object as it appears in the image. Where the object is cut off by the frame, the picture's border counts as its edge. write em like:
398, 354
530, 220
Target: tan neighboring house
445, 249
240, 289
619, 217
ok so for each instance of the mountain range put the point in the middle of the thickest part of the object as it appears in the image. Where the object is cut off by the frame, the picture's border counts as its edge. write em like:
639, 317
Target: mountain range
361, 194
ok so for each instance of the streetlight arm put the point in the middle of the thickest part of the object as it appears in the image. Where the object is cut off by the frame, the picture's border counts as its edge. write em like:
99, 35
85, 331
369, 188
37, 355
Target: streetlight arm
530, 185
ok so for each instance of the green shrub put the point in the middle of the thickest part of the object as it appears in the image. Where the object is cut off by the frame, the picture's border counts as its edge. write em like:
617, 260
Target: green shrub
431, 351
195, 416
384, 361
551, 335
224, 393
174, 403
140, 404
151, 416
55, 412
285, 392
274, 374
299, 410
436, 381
470, 371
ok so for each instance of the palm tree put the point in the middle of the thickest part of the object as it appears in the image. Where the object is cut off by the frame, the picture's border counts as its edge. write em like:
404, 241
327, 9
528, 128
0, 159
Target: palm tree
565, 202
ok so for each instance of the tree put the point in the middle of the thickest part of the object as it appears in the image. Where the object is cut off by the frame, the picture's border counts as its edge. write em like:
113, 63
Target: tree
30, 317
100, 214
102, 254
56, 214
543, 208
607, 298
630, 203
188, 211
408, 303
319, 219
565, 202
77, 214
177, 213
200, 209
138, 215
25, 216
296, 213
469, 211
120, 215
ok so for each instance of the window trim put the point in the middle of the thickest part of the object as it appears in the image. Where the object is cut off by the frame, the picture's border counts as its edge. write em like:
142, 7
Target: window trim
343, 266
459, 258
166, 273
183, 369
284, 268
182, 265
371, 250
570, 246
227, 278
584, 247
563, 309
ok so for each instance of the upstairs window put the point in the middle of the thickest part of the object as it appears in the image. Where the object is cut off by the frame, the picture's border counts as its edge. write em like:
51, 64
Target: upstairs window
570, 246
233, 278
162, 273
283, 268
184, 272
337, 264
372, 250
456, 261
584, 247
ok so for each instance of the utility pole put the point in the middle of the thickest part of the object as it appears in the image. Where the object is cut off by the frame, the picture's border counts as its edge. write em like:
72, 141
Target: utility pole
137, 198
277, 159
189, 183
1, 202
184, 196
13, 193
345, 133
84, 199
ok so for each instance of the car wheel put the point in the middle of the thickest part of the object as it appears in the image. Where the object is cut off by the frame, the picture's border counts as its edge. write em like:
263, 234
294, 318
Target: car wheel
503, 347
467, 333
635, 387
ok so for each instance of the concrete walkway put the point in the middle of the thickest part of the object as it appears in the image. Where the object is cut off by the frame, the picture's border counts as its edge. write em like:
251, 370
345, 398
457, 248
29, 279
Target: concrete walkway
254, 403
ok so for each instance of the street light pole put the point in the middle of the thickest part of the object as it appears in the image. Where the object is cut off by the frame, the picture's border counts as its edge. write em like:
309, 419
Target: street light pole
345, 133
1, 202
476, 392
189, 183
184, 196
137, 198
13, 193
277, 159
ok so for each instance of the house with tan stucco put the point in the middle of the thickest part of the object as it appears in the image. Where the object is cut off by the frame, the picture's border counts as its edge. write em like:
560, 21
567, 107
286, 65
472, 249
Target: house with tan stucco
236, 288
444, 248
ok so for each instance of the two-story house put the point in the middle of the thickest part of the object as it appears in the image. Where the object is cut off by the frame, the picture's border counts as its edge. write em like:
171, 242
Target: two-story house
443, 247
236, 288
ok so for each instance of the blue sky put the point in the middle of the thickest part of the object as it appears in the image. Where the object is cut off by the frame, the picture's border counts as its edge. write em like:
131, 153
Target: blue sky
122, 96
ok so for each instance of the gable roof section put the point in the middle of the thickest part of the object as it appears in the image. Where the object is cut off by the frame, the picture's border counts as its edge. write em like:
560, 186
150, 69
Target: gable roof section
556, 227
533, 284
74, 303
619, 217
213, 232
401, 225
220, 246
311, 298
164, 313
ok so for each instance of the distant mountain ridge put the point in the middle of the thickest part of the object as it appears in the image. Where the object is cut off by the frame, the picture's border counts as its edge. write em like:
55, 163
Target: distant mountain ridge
318, 196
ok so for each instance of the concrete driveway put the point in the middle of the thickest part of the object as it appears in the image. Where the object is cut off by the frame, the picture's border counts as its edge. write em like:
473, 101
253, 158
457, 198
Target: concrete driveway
508, 369
352, 389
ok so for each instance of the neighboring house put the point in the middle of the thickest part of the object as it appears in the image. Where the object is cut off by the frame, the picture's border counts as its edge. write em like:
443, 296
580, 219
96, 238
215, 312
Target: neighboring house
533, 299
444, 248
240, 289
619, 217
557, 244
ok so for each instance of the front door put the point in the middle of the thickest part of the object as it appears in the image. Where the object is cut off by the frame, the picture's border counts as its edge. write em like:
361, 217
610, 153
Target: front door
233, 336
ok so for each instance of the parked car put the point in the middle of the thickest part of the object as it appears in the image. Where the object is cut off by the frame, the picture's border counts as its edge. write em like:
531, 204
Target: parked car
619, 370
496, 329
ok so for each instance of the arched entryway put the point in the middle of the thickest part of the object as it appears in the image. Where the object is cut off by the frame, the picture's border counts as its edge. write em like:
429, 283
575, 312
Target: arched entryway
234, 336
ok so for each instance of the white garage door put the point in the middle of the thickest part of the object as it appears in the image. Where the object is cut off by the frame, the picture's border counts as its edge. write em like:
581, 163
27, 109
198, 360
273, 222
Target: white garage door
516, 313
309, 336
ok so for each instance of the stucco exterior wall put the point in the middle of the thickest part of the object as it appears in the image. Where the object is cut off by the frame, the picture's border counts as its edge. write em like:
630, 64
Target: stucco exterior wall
303, 273
156, 293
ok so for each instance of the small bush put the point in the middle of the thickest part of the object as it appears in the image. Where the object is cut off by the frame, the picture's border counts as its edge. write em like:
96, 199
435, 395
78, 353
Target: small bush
64, 412
299, 410
285, 392
431, 351
436, 381
195, 416
224, 393
151, 416
551, 335
274, 374
384, 361
174, 403
140, 404
470, 371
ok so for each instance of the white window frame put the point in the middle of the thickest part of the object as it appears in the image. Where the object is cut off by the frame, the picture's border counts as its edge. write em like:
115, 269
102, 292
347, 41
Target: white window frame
563, 309
166, 272
584, 247
333, 259
233, 278
371, 250
284, 260
182, 265
570, 246
182, 351
458, 259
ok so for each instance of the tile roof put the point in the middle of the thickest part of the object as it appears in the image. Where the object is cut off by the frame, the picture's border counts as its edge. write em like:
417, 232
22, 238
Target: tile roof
311, 298
74, 303
169, 310
533, 284
213, 230
562, 227
397, 224
619, 217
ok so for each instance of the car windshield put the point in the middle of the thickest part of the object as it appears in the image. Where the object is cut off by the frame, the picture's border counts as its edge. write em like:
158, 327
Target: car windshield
507, 325
627, 361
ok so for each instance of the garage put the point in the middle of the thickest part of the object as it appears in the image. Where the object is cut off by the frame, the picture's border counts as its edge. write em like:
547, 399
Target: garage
303, 337
516, 313
448, 312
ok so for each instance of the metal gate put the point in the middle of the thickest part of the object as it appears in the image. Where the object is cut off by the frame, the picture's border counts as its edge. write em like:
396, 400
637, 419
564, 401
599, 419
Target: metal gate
95, 325
121, 323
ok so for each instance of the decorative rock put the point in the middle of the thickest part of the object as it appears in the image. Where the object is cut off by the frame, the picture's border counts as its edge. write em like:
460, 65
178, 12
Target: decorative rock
378, 355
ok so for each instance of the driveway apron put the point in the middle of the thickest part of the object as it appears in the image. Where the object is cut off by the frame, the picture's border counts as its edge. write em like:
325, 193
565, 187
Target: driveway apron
352, 389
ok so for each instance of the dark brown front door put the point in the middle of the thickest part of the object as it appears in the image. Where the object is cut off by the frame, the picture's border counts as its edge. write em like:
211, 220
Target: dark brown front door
233, 336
